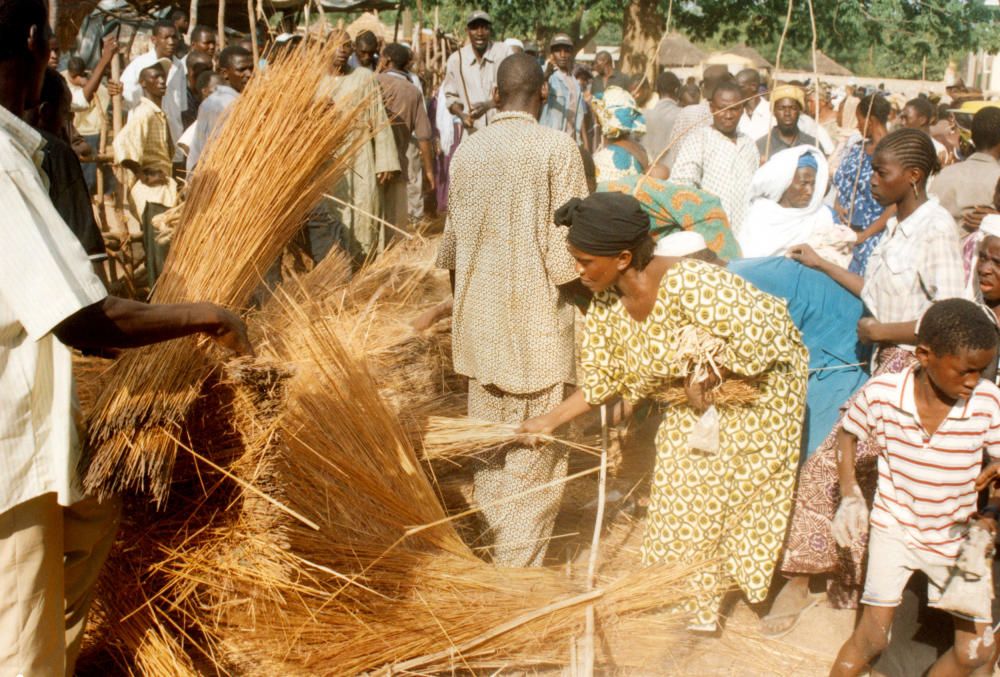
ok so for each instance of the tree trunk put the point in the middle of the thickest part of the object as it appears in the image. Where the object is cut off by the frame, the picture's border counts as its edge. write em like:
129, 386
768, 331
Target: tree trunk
641, 29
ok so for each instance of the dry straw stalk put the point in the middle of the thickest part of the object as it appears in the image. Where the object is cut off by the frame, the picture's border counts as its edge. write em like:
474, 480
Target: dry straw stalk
281, 147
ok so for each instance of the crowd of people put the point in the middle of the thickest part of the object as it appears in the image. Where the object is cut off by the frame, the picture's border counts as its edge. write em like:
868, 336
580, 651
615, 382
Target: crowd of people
834, 252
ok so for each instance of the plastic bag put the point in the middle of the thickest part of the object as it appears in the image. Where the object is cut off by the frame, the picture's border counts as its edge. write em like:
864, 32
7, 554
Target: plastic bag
963, 593
705, 436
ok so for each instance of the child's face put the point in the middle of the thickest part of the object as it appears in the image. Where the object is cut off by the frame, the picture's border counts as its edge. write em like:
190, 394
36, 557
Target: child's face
955, 376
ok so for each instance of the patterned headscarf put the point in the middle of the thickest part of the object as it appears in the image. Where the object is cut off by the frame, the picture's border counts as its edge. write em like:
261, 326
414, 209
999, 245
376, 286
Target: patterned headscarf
618, 113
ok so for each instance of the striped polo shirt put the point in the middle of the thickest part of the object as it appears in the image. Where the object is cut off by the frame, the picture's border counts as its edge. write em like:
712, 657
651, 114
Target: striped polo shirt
926, 483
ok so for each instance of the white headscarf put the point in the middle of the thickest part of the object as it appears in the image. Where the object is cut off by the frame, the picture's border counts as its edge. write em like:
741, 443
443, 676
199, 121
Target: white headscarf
769, 228
990, 225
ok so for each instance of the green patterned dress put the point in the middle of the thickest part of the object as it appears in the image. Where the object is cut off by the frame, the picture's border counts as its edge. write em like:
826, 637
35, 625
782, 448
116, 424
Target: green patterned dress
726, 511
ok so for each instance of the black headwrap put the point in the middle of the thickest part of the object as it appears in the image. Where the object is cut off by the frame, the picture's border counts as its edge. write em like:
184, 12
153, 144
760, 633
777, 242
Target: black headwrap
604, 224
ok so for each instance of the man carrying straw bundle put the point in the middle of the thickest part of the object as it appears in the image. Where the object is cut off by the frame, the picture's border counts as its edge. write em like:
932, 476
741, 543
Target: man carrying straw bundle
512, 327
724, 503
53, 539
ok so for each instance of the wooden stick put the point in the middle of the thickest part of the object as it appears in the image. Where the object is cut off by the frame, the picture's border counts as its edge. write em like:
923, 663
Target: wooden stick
595, 548
503, 628
252, 18
812, 21
777, 67
408, 236
192, 19
222, 25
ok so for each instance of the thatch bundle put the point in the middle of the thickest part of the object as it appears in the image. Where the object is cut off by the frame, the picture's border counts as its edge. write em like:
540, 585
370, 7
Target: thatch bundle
698, 354
282, 146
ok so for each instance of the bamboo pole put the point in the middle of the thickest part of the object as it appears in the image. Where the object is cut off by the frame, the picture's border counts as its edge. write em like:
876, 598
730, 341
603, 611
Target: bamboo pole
812, 21
777, 68
587, 667
252, 19
192, 19
222, 25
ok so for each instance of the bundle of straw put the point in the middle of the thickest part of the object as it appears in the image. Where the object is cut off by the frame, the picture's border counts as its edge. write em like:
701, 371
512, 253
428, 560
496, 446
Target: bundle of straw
281, 147
698, 355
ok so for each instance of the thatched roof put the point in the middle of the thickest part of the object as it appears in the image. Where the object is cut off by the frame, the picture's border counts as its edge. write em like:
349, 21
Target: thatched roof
827, 66
676, 50
751, 54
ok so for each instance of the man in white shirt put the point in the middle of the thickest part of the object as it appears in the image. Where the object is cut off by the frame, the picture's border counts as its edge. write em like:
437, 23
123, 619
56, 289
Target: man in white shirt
471, 73
164, 39
720, 159
53, 539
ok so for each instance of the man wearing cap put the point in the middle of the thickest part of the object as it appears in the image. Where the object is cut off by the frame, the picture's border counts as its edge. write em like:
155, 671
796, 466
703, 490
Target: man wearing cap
788, 102
164, 40
471, 73
565, 108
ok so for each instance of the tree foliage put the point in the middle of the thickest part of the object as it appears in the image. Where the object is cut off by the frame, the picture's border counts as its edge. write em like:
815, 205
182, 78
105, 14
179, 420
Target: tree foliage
877, 37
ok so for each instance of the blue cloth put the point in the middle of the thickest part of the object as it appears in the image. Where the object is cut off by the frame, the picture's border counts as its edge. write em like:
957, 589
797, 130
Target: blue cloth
827, 315
866, 209
556, 111
211, 113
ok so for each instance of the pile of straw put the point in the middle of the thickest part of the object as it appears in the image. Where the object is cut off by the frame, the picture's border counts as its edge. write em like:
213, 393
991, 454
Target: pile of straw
282, 146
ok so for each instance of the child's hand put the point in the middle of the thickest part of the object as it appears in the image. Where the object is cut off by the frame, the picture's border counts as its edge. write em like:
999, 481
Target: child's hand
851, 521
988, 476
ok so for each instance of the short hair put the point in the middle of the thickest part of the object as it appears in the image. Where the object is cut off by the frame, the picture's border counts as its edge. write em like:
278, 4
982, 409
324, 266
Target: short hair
196, 58
913, 149
397, 54
519, 75
923, 107
606, 55
163, 24
689, 90
16, 19
582, 71
178, 13
227, 55
205, 77
752, 73
986, 128
155, 66
954, 325
667, 84
875, 106
54, 88
76, 66
202, 29
713, 75
366, 40
727, 86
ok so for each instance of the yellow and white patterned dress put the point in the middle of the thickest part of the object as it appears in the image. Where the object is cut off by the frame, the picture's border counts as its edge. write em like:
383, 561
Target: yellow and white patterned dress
728, 510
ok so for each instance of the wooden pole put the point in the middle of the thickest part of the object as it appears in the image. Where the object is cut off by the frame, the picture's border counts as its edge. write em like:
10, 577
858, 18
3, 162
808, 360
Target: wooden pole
777, 68
252, 18
812, 21
192, 19
222, 25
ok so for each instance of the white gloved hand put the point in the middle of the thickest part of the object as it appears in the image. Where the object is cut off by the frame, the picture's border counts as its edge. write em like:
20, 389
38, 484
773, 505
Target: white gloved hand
851, 521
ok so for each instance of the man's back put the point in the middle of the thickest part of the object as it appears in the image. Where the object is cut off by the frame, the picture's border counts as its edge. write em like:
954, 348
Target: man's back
659, 127
512, 327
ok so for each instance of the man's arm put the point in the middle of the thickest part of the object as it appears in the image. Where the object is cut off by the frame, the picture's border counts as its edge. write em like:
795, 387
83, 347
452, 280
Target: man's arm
108, 53
120, 323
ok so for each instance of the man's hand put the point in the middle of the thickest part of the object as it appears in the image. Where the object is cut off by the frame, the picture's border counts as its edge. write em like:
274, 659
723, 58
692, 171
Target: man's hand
534, 430
115, 88
430, 185
109, 49
152, 177
467, 121
385, 177
480, 109
228, 330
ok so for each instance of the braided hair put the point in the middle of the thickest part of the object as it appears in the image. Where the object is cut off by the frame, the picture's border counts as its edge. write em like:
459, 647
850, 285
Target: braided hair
913, 149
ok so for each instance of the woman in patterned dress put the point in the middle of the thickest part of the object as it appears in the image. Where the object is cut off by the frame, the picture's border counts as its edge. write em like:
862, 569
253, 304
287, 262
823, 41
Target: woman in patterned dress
918, 262
855, 205
727, 509
621, 123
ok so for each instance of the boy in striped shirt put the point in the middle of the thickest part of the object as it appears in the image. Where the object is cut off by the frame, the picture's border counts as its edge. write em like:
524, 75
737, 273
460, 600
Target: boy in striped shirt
932, 424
